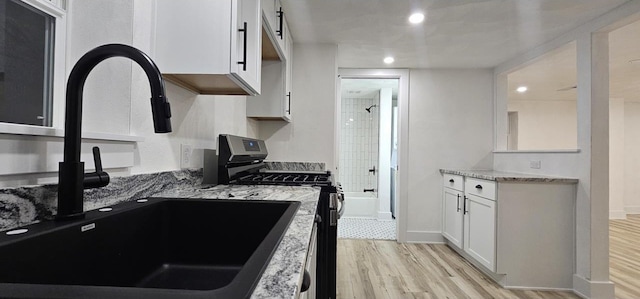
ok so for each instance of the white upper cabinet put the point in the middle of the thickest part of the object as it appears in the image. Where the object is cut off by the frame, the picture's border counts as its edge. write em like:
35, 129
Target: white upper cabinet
275, 25
281, 27
210, 47
269, 13
288, 72
274, 102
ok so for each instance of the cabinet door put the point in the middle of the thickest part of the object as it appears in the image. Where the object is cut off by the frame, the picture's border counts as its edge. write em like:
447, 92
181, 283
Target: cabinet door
280, 26
480, 230
452, 219
269, 104
246, 48
288, 71
269, 12
193, 37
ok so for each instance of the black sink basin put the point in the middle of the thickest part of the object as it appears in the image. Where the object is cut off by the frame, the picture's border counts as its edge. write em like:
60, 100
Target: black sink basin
161, 248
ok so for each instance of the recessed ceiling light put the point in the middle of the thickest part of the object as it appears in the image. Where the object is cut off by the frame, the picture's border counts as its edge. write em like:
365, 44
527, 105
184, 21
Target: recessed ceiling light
416, 18
521, 89
389, 60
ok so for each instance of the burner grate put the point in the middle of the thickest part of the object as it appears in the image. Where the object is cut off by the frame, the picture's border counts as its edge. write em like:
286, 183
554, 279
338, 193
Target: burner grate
284, 179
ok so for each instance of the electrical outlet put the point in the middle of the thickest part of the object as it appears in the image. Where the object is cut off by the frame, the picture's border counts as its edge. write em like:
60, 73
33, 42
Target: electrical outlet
535, 164
185, 155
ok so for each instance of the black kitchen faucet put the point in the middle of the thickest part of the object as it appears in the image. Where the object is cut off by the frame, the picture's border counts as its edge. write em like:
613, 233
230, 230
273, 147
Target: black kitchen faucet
72, 179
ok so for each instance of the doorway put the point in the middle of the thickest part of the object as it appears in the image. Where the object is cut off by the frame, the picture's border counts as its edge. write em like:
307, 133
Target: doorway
368, 154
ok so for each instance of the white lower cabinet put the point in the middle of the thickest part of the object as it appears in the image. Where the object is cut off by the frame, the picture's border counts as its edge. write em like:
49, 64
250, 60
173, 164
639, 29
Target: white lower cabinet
480, 230
452, 224
519, 232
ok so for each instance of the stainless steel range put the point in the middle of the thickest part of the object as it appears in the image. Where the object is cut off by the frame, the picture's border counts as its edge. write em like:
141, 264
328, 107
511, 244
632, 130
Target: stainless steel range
240, 160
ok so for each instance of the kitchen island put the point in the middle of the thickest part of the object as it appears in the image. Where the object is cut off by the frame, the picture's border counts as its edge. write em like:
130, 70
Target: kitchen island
283, 275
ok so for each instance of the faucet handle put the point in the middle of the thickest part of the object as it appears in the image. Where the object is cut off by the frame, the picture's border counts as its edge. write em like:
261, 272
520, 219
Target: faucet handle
96, 159
98, 178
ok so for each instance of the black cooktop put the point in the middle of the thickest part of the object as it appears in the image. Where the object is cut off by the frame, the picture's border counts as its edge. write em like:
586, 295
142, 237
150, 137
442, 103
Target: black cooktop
289, 179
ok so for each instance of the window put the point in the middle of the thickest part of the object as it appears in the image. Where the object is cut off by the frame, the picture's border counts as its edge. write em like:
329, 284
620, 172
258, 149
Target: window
27, 40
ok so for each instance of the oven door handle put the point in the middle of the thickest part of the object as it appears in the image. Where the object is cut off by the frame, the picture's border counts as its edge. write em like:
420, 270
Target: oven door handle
341, 204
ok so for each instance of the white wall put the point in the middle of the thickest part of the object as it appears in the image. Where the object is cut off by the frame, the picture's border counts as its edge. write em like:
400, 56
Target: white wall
116, 101
624, 160
450, 126
196, 119
617, 180
631, 157
309, 137
590, 165
384, 168
546, 124
107, 94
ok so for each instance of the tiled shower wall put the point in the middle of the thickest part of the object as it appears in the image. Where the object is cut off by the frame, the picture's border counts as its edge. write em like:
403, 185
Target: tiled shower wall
359, 144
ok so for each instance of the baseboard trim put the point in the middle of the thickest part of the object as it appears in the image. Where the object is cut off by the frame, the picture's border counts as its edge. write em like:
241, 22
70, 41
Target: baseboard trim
384, 216
537, 288
632, 209
414, 236
617, 214
592, 289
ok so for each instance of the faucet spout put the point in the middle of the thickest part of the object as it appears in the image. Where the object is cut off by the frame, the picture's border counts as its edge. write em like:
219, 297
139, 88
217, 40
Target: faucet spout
71, 175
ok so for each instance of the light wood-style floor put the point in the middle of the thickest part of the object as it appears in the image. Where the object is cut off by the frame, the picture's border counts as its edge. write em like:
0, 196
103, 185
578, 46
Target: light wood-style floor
624, 256
369, 269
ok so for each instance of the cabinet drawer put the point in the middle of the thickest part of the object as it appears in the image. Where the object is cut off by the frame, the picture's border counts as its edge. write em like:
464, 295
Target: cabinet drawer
482, 188
453, 181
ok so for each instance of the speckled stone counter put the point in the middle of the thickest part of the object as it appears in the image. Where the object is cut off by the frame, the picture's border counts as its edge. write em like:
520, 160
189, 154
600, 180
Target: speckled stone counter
283, 275
500, 176
31, 204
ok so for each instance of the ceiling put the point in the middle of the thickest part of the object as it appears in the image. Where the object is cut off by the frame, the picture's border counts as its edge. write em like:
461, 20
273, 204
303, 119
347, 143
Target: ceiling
455, 33
551, 77
467, 34
367, 88
624, 77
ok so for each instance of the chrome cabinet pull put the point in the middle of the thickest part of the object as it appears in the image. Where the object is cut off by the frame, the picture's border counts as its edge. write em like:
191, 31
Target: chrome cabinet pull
465, 206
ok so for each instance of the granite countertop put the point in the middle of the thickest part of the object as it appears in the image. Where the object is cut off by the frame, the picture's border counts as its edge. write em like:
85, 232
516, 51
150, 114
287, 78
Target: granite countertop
283, 276
500, 176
